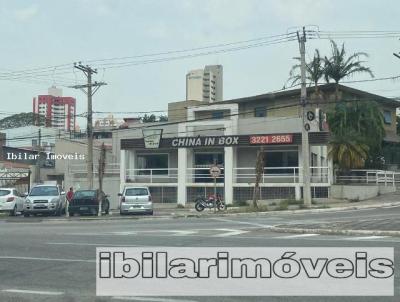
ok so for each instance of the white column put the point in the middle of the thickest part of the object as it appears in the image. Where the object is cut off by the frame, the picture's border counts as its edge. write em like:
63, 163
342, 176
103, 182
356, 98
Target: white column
330, 171
228, 165
300, 164
320, 171
131, 154
122, 170
182, 168
297, 192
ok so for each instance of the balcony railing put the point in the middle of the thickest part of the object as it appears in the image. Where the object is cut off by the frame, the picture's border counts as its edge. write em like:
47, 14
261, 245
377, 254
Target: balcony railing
360, 176
163, 175
281, 175
202, 175
111, 169
240, 175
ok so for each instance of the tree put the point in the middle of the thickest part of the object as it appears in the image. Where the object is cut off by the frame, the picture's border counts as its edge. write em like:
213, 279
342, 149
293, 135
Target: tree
149, 118
357, 123
398, 125
259, 173
22, 120
315, 71
348, 151
163, 118
101, 169
339, 66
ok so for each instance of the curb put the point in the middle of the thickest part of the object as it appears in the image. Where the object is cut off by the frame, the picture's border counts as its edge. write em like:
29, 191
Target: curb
227, 214
334, 231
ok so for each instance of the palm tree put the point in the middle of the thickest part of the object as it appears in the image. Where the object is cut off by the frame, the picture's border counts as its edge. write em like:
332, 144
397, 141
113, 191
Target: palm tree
338, 66
348, 151
314, 71
360, 122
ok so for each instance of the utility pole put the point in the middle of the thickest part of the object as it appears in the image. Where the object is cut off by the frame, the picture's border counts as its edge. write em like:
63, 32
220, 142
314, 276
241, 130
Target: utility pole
39, 147
89, 91
305, 146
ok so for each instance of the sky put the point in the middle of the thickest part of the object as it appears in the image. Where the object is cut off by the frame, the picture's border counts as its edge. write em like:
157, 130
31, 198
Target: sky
45, 33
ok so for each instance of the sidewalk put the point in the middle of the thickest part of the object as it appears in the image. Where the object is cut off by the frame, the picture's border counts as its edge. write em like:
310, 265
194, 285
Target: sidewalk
387, 200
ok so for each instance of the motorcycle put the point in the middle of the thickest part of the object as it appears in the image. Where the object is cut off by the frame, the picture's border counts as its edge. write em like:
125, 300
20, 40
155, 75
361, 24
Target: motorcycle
201, 203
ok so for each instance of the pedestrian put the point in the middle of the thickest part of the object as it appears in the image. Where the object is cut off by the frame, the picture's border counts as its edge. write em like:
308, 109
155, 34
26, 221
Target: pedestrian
69, 197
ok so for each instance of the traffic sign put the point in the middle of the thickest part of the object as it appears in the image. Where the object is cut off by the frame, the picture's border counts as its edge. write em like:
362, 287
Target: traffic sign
310, 115
215, 171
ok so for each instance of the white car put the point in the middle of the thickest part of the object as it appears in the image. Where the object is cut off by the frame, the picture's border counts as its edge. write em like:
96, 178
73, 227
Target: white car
11, 201
136, 200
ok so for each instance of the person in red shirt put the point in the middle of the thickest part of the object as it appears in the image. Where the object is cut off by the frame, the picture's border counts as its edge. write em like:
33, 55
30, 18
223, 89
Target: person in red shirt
70, 195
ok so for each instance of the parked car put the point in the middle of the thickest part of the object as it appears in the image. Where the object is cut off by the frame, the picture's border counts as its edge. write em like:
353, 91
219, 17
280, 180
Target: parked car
11, 201
44, 199
87, 202
135, 200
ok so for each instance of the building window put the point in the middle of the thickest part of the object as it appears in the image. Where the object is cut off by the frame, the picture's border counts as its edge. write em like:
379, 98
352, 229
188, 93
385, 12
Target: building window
157, 163
260, 112
217, 115
387, 117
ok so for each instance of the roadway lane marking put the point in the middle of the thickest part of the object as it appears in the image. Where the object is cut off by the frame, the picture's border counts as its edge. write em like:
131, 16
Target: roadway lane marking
34, 292
229, 232
142, 233
45, 259
150, 299
91, 244
365, 238
296, 236
175, 232
243, 222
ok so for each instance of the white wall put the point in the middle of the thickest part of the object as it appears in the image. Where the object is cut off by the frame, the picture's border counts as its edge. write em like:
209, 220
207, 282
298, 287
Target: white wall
353, 192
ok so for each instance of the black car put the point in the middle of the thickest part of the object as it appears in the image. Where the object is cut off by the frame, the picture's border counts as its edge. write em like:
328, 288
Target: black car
87, 202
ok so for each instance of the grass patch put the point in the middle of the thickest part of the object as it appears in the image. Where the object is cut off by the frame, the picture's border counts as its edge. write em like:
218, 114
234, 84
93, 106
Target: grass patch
292, 202
261, 208
241, 203
283, 205
249, 209
180, 206
322, 206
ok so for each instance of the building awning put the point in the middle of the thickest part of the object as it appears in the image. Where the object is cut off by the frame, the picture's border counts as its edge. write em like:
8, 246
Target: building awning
279, 139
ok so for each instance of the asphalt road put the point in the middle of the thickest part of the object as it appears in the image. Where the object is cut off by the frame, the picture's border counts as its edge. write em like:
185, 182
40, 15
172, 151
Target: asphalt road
46, 259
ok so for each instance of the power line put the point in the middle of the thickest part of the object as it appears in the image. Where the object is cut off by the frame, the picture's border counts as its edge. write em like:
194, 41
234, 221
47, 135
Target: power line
189, 49
187, 56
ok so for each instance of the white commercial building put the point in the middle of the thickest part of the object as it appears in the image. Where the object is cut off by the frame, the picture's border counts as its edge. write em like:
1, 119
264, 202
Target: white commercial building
174, 158
205, 84
228, 134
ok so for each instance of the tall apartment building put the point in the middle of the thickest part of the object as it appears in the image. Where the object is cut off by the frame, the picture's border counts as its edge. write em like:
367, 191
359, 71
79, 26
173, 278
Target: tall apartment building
59, 111
205, 84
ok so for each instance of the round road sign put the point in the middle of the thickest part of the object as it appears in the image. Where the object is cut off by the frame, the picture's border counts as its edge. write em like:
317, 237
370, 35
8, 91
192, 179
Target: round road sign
215, 171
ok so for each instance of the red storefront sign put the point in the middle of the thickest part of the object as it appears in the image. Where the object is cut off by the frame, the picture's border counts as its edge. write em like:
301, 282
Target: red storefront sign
271, 139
